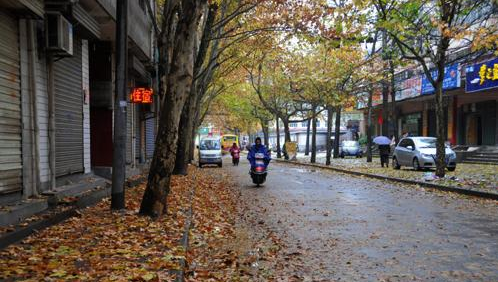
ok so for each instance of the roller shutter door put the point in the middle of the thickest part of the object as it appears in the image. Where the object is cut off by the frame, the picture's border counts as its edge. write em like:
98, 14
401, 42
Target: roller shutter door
138, 135
10, 105
150, 137
69, 113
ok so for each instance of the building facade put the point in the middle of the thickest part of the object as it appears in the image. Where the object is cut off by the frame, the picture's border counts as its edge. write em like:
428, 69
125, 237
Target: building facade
470, 91
57, 90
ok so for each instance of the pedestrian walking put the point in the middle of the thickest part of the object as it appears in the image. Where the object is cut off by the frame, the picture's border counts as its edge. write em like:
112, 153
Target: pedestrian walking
384, 151
384, 144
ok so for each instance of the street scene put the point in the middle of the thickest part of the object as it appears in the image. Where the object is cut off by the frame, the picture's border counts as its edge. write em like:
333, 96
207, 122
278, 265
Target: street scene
342, 228
248, 140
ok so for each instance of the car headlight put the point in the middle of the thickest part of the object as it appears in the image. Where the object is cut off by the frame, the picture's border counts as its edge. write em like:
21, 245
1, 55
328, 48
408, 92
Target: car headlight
452, 155
426, 155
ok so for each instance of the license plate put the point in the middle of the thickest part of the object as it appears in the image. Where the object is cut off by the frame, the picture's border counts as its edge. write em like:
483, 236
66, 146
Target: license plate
259, 162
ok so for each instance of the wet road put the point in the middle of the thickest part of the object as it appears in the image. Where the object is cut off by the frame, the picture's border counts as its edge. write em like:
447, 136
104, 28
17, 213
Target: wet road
338, 227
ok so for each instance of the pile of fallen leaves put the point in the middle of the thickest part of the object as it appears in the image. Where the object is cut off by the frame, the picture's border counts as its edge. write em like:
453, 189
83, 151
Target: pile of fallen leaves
223, 246
100, 245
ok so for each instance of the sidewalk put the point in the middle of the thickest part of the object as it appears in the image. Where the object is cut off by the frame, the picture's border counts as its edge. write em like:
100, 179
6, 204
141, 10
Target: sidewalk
474, 177
101, 245
203, 237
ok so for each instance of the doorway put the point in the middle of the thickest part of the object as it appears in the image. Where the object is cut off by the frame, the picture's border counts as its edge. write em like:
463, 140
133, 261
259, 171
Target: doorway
474, 130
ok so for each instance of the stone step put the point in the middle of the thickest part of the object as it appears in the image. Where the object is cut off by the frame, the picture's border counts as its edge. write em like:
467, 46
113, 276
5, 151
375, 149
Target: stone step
14, 213
75, 190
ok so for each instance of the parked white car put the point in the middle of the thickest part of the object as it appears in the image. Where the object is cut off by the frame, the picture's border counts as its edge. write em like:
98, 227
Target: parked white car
419, 153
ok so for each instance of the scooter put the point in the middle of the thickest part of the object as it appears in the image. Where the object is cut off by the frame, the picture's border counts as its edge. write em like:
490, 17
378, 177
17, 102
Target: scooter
259, 172
235, 157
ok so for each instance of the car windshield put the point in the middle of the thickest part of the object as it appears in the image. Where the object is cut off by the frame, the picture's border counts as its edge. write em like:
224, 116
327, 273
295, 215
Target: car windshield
210, 145
426, 142
350, 143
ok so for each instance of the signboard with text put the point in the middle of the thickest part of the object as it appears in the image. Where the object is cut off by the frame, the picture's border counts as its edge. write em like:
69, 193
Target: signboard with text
482, 76
408, 88
141, 95
451, 79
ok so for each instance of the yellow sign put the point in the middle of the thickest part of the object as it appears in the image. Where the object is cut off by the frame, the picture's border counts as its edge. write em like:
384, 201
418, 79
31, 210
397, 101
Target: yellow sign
486, 73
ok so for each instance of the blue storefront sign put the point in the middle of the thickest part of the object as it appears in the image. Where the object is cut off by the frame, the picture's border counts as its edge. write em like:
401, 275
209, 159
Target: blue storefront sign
482, 76
451, 79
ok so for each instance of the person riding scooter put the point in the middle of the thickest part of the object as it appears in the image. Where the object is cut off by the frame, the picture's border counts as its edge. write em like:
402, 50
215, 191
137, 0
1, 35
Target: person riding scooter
235, 152
259, 157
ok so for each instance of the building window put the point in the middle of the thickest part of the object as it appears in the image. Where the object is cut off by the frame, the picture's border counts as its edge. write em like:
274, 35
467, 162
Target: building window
293, 124
317, 123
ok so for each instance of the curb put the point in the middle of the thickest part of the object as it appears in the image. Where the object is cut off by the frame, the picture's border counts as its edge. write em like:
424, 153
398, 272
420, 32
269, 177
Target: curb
453, 189
84, 201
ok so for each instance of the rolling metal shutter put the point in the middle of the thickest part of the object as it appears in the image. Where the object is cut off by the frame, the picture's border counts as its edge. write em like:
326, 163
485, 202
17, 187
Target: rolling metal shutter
138, 135
69, 113
150, 137
10, 106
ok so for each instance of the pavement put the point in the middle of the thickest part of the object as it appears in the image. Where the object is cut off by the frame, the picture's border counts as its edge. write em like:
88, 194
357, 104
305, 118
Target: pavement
338, 227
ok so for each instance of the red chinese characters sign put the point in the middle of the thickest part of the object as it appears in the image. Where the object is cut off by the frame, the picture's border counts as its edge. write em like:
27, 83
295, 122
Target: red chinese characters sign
141, 95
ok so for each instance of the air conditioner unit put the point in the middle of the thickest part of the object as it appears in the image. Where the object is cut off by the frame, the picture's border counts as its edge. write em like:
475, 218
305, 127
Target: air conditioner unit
59, 35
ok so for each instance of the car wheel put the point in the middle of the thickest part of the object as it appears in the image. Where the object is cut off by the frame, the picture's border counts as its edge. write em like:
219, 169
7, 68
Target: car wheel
342, 156
200, 165
395, 163
452, 168
416, 164
220, 164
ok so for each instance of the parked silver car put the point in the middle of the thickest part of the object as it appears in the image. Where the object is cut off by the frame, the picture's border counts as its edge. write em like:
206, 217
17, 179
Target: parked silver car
420, 152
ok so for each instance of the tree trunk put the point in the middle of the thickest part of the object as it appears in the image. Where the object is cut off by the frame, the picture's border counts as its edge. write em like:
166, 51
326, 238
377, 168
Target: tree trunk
266, 137
286, 129
337, 133
369, 127
185, 135
385, 108
313, 139
179, 82
191, 151
330, 112
279, 148
308, 129
440, 129
287, 136
394, 117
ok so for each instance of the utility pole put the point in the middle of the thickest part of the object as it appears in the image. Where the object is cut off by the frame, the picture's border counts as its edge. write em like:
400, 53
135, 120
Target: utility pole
119, 146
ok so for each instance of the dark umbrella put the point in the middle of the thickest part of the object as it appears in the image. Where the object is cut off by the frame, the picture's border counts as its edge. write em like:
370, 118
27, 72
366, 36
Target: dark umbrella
382, 140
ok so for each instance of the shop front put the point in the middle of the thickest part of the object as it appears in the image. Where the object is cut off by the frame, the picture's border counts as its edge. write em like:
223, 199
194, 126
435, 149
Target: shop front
478, 106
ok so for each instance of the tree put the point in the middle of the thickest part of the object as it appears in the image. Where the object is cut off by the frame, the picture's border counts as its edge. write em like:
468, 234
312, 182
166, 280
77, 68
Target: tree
430, 33
177, 81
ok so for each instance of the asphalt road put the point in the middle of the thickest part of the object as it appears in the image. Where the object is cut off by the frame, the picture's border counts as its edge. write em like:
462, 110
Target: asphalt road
339, 227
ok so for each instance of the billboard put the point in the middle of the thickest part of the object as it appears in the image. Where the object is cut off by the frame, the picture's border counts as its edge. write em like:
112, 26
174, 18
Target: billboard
408, 88
482, 76
451, 79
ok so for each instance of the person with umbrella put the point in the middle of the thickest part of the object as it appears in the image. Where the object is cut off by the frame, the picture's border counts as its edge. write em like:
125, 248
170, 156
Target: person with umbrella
384, 149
